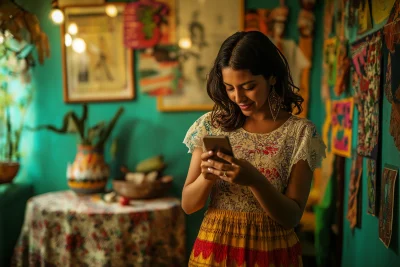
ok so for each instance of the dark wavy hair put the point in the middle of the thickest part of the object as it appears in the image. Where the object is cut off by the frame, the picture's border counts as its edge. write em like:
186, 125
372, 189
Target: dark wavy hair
252, 51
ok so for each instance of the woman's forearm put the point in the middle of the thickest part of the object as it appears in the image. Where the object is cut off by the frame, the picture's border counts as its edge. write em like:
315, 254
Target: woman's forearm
195, 195
279, 207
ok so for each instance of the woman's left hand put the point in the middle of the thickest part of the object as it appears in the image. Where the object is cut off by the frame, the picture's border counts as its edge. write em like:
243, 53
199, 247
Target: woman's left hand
236, 171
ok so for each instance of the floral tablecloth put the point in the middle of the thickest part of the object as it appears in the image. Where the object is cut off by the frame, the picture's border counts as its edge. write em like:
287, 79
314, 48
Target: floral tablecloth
63, 229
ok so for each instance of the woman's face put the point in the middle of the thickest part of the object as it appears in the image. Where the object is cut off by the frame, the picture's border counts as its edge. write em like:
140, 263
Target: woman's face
249, 92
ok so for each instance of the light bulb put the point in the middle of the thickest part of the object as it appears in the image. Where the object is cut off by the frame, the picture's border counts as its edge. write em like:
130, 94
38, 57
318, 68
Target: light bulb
111, 10
79, 45
68, 39
57, 16
185, 43
73, 28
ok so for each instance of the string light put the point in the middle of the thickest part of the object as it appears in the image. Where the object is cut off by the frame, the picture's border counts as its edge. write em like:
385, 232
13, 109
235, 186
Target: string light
73, 29
79, 45
185, 43
57, 16
68, 40
111, 10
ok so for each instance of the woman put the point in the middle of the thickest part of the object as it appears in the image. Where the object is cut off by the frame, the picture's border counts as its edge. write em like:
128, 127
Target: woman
259, 197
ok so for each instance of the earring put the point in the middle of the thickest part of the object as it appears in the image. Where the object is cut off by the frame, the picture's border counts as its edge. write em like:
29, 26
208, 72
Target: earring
274, 102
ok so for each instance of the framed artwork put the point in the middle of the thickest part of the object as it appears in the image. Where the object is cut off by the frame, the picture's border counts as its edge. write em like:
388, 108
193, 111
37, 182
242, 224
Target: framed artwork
386, 204
201, 29
63, 3
342, 121
96, 65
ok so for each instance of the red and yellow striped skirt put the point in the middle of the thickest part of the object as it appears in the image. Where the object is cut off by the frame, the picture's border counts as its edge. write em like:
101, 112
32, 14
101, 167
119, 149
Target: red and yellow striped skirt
230, 238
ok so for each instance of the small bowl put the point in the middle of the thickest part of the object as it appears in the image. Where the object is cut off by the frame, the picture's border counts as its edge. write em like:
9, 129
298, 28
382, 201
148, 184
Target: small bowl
145, 190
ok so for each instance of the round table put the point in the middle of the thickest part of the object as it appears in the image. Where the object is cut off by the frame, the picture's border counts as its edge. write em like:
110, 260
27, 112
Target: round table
64, 229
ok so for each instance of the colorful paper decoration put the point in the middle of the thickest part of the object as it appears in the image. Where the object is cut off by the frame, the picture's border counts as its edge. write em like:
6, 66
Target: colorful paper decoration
366, 76
386, 204
342, 121
159, 71
149, 22
371, 186
354, 204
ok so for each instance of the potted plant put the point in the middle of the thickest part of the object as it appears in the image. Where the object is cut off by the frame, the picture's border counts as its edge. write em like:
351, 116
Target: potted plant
20, 34
89, 172
13, 107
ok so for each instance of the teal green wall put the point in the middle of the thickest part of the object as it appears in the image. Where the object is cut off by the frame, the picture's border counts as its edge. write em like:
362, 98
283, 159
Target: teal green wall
142, 130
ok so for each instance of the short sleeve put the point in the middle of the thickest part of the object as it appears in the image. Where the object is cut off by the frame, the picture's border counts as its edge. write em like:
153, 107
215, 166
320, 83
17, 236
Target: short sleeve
309, 146
200, 128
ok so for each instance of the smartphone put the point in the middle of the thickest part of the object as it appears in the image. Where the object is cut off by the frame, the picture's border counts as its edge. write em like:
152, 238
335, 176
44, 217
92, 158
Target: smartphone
217, 143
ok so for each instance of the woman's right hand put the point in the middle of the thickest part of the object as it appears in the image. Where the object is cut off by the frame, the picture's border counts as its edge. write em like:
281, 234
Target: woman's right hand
205, 165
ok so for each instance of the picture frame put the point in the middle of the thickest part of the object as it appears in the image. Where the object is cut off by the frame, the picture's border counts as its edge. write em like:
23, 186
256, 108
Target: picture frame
213, 21
63, 3
96, 65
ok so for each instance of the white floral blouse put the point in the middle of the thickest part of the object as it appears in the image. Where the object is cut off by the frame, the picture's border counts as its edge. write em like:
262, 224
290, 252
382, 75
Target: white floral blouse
273, 154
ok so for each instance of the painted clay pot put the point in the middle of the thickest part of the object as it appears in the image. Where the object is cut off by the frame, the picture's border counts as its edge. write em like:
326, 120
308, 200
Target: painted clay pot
89, 173
8, 171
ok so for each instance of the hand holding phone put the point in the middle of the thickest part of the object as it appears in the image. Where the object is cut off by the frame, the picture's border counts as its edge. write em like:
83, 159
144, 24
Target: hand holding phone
217, 144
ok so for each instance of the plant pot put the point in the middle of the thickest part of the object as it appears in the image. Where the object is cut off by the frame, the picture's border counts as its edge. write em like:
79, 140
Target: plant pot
89, 173
8, 171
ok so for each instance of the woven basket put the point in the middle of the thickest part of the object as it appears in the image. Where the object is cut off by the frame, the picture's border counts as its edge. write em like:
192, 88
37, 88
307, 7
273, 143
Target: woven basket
145, 190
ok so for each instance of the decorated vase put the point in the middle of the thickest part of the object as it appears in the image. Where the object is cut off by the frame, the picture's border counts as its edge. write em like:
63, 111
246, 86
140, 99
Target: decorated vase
89, 173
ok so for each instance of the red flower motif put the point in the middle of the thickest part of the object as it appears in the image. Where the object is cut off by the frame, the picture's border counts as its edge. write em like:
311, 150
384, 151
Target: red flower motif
270, 150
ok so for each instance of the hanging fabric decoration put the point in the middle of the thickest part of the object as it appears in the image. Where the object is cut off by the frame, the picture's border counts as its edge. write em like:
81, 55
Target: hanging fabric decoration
328, 19
354, 203
366, 76
371, 186
392, 83
342, 68
387, 203
305, 25
327, 163
278, 19
343, 62
257, 20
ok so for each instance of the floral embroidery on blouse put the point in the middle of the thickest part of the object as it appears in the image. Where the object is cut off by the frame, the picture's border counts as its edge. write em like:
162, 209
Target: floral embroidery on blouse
273, 154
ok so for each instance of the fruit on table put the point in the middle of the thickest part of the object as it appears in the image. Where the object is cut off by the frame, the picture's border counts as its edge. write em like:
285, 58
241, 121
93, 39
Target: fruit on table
151, 164
124, 201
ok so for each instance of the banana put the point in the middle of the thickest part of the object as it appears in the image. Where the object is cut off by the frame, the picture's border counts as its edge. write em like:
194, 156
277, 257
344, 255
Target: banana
155, 163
